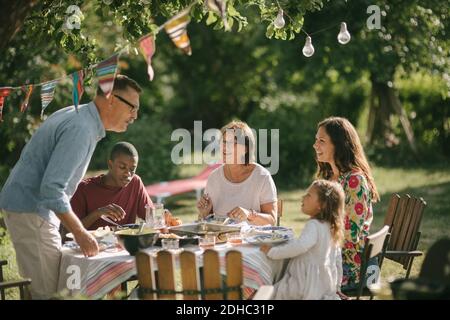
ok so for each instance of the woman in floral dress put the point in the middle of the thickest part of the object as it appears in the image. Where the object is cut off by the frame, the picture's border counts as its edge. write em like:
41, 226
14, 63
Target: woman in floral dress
340, 157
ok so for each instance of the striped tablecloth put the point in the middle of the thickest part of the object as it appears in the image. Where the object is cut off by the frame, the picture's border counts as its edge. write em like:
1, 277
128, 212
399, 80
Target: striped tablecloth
100, 274
93, 277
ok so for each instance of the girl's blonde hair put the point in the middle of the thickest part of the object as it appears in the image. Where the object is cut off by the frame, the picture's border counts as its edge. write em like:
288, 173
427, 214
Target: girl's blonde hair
332, 203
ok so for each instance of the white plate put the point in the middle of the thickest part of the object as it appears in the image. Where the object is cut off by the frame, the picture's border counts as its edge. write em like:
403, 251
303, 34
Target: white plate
274, 238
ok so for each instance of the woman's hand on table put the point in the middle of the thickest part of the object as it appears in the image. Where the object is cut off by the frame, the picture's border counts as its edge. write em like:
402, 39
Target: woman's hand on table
112, 211
265, 248
204, 205
239, 213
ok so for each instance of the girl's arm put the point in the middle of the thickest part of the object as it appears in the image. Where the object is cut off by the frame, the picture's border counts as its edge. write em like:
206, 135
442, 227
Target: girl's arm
296, 247
339, 269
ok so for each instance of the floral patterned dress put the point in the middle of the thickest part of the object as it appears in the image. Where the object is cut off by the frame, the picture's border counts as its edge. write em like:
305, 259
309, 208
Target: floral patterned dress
358, 218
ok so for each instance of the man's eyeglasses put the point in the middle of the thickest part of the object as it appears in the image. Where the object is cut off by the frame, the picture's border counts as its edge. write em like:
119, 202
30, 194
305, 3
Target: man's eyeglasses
132, 106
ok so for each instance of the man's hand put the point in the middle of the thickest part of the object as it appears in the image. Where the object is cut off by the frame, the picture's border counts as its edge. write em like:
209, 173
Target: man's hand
87, 243
113, 211
85, 240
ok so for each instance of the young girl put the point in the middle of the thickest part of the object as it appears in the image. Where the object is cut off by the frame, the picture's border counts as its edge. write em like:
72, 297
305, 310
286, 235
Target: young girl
315, 270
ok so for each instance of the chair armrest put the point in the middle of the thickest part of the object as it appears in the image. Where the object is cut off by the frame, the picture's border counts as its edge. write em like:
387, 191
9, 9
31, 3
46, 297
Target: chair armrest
415, 253
264, 293
13, 284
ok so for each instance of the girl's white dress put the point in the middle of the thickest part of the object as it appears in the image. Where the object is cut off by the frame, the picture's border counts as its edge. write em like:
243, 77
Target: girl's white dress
315, 270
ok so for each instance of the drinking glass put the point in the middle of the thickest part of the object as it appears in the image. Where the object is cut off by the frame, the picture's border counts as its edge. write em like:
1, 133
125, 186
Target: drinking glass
170, 244
234, 238
159, 221
207, 242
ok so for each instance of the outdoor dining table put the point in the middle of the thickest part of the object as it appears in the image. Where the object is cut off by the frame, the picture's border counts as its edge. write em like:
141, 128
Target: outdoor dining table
94, 277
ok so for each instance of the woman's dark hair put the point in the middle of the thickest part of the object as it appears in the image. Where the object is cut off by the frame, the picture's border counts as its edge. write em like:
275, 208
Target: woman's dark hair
348, 152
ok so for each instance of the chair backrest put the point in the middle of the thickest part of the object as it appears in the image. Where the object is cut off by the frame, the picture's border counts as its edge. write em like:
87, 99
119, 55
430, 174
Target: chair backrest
375, 246
404, 217
195, 283
279, 211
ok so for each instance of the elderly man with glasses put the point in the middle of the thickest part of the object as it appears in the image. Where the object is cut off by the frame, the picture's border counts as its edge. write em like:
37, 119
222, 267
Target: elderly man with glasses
36, 196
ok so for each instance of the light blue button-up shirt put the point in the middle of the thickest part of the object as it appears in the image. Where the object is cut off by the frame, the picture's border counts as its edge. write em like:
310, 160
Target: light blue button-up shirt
53, 162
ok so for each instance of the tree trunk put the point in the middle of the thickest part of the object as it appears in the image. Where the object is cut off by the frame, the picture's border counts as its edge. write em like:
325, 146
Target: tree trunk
384, 103
12, 16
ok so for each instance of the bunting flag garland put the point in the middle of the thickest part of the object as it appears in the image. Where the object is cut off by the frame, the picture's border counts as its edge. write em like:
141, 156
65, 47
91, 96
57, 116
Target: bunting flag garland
176, 29
4, 92
106, 73
220, 7
28, 90
78, 89
47, 93
148, 49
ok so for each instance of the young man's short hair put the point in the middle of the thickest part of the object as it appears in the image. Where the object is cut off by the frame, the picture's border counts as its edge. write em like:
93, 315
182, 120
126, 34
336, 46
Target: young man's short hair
125, 148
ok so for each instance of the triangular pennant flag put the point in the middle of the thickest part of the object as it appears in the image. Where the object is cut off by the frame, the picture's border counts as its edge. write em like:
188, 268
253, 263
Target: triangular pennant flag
148, 49
106, 73
220, 7
176, 29
28, 90
78, 89
47, 93
4, 92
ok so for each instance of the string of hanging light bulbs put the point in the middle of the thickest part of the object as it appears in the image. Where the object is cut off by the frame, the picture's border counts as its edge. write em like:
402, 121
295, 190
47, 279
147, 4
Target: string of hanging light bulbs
308, 49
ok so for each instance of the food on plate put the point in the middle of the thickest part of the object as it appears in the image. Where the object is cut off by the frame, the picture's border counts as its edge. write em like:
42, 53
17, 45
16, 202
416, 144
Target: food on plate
102, 232
171, 221
169, 236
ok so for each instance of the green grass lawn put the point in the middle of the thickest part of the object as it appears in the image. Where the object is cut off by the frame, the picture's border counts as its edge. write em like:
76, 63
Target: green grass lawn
431, 184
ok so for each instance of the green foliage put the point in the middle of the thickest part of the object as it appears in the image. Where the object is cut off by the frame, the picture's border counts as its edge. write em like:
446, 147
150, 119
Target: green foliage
297, 115
427, 107
151, 137
233, 74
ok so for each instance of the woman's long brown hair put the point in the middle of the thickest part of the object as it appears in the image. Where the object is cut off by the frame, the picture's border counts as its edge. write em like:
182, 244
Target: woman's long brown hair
348, 152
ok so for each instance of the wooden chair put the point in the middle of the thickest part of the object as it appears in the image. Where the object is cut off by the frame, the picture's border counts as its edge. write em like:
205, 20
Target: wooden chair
4, 285
404, 217
375, 246
211, 285
279, 211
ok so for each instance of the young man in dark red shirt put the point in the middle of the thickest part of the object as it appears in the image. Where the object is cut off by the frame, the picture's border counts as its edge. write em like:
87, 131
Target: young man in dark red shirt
119, 194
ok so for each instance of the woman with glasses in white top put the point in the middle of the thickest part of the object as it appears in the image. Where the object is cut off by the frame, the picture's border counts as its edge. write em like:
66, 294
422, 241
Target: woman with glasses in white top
240, 189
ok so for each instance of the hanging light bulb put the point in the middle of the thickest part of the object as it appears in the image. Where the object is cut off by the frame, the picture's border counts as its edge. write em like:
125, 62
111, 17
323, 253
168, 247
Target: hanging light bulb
279, 21
308, 49
343, 36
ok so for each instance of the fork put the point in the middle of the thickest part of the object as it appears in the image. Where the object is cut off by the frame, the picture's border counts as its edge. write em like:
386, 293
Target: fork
105, 218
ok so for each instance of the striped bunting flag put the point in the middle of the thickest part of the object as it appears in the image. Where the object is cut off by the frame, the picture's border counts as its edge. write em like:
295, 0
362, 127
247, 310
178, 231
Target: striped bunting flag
28, 90
220, 7
106, 73
4, 92
47, 93
148, 49
176, 29
78, 89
